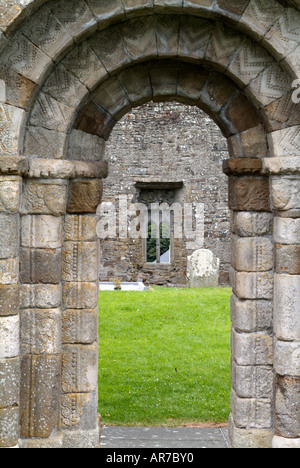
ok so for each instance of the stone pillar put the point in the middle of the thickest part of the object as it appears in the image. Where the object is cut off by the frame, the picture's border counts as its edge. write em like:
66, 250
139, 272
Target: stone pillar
79, 400
11, 171
42, 216
251, 420
285, 194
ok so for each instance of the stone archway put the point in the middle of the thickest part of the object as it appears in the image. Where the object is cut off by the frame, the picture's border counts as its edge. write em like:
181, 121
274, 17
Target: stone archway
67, 76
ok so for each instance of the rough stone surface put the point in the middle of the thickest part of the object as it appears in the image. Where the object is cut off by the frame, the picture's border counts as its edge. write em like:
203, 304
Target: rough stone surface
203, 269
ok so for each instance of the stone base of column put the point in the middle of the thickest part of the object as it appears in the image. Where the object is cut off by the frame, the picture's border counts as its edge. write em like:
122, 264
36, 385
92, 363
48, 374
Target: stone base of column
249, 438
82, 439
67, 439
283, 443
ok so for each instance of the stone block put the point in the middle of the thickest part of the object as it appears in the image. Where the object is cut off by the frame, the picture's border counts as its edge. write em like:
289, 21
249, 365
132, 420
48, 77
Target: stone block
51, 114
287, 231
56, 442
190, 84
75, 16
286, 307
252, 285
285, 35
9, 300
164, 83
85, 197
41, 296
287, 357
250, 61
9, 427
63, 86
167, 34
285, 193
254, 142
251, 224
109, 46
107, 11
249, 438
14, 165
25, 58
44, 232
287, 406
80, 295
223, 46
251, 316
80, 228
287, 259
85, 147
260, 16
198, 6
163, 6
44, 197
203, 269
253, 254
280, 114
82, 439
96, 121
249, 194
9, 382
40, 331
112, 98
40, 394
270, 85
10, 193
51, 36
285, 143
231, 10
9, 337
43, 143
252, 381
252, 349
285, 443
194, 37
139, 37
18, 89
9, 271
80, 261
215, 94
33, 263
79, 368
251, 413
137, 84
85, 65
240, 114
79, 326
9, 240
78, 413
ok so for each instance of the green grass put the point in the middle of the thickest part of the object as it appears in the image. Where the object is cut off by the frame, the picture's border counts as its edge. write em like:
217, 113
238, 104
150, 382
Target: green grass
164, 357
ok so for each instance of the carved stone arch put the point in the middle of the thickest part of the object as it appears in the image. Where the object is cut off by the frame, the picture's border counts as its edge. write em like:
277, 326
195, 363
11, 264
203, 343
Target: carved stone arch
237, 62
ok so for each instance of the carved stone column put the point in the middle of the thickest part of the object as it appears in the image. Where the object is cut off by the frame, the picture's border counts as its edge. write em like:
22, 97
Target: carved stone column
59, 298
285, 194
251, 420
11, 171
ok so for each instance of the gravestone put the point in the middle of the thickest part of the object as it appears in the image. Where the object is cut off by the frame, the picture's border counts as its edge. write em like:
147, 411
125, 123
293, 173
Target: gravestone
203, 269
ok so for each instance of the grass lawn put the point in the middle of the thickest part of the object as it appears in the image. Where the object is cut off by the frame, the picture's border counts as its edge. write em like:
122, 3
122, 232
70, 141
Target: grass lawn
164, 356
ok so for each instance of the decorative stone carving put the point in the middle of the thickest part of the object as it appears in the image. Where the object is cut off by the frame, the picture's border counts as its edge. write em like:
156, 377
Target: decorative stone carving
249, 194
40, 331
79, 368
80, 295
86, 196
80, 261
10, 191
40, 390
79, 326
44, 197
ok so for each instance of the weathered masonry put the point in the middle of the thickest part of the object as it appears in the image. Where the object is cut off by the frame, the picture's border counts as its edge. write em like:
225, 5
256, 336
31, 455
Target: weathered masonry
167, 153
68, 72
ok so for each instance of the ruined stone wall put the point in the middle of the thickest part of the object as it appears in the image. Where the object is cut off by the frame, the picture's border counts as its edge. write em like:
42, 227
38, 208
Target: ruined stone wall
163, 142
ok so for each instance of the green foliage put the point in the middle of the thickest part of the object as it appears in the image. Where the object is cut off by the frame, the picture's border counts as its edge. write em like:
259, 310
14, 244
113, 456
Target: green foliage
164, 356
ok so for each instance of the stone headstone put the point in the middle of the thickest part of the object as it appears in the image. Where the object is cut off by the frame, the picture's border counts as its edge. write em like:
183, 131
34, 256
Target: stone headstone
203, 269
